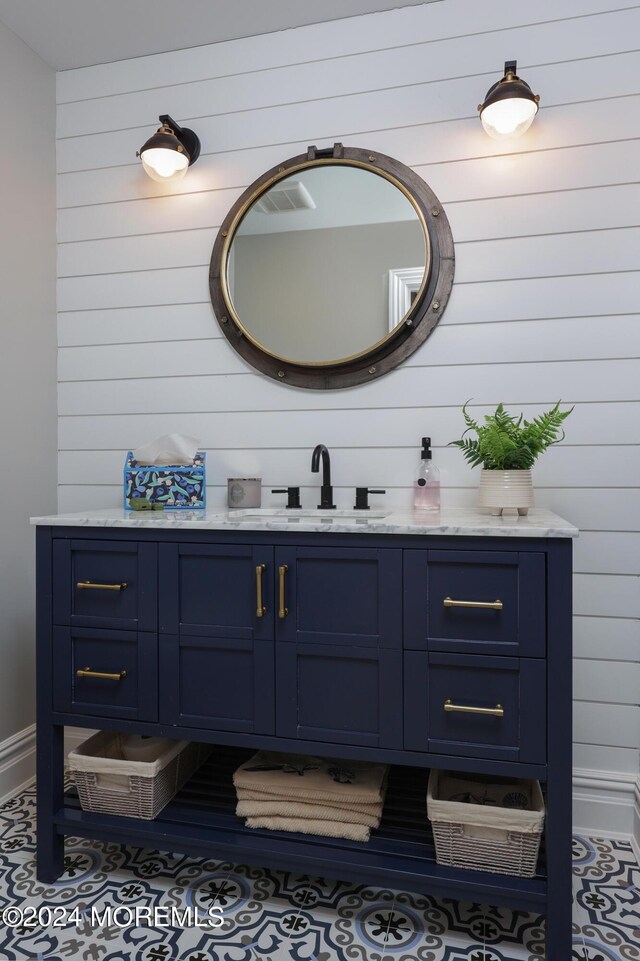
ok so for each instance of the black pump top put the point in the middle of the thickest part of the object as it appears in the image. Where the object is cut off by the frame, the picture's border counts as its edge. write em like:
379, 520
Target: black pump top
426, 448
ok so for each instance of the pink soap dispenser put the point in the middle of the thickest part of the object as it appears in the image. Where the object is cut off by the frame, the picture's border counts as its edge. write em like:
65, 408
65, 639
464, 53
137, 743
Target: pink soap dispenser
426, 487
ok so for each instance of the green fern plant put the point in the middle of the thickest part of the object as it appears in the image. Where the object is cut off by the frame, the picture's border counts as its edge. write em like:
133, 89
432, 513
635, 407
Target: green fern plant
504, 443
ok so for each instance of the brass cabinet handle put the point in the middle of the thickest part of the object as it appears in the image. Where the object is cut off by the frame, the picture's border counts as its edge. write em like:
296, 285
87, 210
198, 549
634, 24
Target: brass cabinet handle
497, 711
282, 571
487, 605
87, 672
90, 586
260, 608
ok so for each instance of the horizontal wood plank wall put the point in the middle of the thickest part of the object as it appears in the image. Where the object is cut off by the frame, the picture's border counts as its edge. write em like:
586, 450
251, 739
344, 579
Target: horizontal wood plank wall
545, 305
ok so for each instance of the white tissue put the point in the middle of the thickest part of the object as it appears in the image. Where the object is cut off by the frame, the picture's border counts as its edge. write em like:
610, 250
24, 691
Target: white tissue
170, 449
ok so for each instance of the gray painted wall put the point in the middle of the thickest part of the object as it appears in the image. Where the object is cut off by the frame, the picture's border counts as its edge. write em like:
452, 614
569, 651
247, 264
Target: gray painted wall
27, 357
293, 289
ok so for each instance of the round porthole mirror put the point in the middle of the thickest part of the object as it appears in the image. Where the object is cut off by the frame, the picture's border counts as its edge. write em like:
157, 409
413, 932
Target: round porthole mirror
332, 268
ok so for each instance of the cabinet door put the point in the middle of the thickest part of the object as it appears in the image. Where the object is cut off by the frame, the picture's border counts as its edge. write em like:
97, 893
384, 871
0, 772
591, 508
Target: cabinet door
338, 660
341, 695
475, 602
343, 596
105, 673
476, 706
108, 584
216, 641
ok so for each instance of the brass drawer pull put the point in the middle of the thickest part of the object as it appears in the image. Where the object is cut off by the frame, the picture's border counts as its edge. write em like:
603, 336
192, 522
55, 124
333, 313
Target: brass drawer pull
260, 608
90, 586
87, 672
487, 605
282, 571
497, 711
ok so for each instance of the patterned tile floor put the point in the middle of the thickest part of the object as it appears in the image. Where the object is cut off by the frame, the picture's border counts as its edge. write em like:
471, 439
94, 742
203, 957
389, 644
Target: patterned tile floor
272, 916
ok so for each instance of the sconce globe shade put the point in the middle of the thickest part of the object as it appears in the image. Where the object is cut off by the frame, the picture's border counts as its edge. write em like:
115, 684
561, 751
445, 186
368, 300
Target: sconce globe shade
170, 151
509, 106
508, 118
164, 165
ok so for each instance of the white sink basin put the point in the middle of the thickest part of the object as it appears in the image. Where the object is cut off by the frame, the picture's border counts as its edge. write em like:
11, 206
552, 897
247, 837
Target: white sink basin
302, 516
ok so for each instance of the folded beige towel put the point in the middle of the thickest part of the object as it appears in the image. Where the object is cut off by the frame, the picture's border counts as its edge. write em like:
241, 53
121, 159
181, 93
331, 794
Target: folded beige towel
312, 778
298, 810
373, 810
329, 829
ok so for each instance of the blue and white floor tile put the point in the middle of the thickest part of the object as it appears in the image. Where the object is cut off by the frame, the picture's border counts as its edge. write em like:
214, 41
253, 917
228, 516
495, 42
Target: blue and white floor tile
606, 900
274, 916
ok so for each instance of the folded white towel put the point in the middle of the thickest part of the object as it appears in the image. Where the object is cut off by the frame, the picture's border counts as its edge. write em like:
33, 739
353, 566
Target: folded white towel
329, 829
312, 778
299, 810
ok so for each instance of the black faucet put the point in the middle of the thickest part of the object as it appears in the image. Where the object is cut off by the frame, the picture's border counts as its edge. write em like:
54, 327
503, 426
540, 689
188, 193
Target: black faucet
326, 491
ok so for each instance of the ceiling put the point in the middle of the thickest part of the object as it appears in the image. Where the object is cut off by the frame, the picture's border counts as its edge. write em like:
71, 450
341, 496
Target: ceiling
78, 33
343, 197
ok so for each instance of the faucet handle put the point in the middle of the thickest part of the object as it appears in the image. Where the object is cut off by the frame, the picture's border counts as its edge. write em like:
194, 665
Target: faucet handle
293, 496
362, 497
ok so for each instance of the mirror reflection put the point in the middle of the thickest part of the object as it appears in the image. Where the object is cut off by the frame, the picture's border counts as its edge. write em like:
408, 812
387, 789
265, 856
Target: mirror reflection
326, 263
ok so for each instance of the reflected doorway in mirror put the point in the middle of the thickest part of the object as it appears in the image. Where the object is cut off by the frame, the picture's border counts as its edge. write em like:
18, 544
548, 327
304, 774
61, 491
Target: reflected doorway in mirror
404, 284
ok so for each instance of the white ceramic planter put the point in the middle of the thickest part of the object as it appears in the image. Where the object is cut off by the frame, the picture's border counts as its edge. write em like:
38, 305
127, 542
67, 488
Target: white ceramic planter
506, 490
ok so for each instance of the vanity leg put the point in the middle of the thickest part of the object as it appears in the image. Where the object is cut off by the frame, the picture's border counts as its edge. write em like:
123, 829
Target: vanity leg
49, 796
559, 886
49, 737
559, 755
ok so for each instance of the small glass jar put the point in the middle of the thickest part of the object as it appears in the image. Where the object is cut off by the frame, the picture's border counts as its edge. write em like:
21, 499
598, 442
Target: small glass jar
244, 492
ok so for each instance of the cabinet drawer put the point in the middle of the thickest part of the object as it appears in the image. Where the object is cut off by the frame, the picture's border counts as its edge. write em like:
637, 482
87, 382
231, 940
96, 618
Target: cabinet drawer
105, 584
128, 658
511, 691
484, 602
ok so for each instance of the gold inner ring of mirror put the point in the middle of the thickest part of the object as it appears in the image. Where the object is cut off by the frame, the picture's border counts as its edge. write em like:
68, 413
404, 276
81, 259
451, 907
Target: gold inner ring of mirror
282, 175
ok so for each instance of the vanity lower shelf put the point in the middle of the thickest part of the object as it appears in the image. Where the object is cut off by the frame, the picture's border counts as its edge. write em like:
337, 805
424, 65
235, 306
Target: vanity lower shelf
201, 821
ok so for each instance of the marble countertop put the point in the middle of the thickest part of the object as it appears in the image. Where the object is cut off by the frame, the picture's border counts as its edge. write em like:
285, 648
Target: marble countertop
461, 521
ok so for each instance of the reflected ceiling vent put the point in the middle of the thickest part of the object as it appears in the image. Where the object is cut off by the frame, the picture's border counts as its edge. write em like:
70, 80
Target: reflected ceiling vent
285, 196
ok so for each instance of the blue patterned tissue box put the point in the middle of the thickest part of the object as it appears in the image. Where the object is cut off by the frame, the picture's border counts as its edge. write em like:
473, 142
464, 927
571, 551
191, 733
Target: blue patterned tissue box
175, 487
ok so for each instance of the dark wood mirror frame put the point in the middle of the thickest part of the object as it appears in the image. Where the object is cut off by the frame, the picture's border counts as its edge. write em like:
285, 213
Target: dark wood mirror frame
418, 323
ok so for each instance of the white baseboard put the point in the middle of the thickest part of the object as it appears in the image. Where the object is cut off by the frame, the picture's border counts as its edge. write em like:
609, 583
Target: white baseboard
635, 835
17, 762
606, 803
18, 758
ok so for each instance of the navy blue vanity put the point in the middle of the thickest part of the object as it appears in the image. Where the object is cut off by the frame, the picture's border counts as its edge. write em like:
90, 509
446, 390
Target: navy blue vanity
339, 638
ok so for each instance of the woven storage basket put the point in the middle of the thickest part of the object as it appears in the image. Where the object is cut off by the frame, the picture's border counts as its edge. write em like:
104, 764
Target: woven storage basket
111, 785
505, 840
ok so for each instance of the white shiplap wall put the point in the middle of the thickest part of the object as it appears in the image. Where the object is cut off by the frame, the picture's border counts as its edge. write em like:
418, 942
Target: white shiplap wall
545, 303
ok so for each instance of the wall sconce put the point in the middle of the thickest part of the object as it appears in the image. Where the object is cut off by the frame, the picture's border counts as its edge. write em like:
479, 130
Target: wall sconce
166, 155
509, 106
